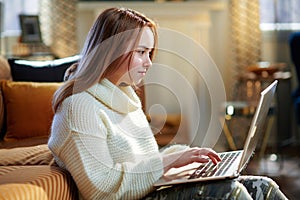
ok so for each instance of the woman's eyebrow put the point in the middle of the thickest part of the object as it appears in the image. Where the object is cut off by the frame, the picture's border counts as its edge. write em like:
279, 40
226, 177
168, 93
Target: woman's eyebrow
145, 47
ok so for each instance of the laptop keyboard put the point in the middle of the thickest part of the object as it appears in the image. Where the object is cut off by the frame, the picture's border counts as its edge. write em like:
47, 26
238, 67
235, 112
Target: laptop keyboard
210, 169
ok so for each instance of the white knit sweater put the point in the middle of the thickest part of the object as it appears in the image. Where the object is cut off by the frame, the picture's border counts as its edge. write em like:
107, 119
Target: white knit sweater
103, 139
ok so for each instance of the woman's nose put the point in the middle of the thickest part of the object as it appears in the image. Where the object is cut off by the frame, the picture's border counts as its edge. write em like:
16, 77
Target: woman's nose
148, 62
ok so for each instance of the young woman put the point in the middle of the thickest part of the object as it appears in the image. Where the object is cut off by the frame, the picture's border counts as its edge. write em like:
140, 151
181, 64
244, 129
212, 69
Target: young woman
100, 133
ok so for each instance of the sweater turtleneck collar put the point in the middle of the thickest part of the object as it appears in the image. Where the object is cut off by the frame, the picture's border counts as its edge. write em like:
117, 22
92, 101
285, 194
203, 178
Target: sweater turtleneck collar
121, 99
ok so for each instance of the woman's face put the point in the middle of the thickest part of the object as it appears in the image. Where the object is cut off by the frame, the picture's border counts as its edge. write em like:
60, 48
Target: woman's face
140, 62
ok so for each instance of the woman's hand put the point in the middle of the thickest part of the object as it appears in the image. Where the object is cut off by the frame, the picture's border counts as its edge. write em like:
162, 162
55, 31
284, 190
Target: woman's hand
190, 155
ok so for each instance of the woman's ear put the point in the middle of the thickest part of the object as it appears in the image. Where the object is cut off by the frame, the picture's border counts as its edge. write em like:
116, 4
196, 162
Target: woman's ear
69, 71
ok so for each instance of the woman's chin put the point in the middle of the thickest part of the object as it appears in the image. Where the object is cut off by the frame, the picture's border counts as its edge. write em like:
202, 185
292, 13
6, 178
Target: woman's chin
139, 82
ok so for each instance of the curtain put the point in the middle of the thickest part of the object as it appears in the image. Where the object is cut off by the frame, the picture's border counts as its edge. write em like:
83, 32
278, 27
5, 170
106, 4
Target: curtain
245, 37
58, 26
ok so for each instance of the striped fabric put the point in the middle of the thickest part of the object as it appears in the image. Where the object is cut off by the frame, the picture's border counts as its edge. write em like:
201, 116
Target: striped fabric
26, 173
27, 142
36, 183
16, 191
35, 155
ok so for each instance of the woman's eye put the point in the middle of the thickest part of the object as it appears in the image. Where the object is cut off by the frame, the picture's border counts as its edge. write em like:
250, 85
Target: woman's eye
141, 52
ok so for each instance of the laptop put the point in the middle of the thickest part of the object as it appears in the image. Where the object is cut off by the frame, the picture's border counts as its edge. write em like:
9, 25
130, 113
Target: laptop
233, 162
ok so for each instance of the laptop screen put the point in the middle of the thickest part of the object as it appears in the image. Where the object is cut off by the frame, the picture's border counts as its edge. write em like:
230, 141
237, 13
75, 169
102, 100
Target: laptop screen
258, 122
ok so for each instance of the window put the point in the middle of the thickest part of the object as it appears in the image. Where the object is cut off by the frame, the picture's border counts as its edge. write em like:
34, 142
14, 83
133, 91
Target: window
280, 14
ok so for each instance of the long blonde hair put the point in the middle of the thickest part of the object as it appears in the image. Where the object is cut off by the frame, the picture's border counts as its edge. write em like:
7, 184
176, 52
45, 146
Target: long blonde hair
110, 42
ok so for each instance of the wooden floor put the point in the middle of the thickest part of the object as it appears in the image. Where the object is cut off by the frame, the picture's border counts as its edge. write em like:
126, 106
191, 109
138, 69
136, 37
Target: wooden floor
284, 168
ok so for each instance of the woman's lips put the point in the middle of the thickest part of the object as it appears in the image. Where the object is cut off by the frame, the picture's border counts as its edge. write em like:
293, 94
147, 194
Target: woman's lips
143, 72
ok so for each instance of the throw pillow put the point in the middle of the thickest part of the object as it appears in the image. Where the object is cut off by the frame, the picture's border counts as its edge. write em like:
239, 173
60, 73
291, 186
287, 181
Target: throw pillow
41, 71
28, 108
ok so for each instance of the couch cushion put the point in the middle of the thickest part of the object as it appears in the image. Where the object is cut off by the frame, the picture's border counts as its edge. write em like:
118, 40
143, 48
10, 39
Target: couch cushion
34, 155
26, 142
28, 108
21, 191
55, 182
40, 71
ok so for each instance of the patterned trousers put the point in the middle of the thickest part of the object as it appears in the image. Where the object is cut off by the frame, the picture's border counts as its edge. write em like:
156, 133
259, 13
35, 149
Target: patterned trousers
244, 187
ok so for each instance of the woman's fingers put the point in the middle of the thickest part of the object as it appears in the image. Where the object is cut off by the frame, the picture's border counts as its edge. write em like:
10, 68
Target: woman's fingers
203, 160
195, 154
214, 157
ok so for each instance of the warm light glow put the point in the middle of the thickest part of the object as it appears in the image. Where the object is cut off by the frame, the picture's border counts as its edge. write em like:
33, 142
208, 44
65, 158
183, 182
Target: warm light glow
230, 110
273, 157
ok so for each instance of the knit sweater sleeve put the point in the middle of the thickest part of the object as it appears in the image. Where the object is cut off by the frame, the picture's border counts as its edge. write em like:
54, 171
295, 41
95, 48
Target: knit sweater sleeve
86, 155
